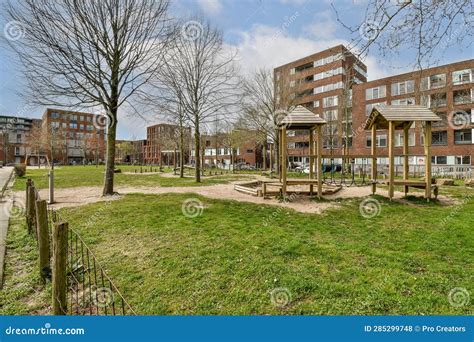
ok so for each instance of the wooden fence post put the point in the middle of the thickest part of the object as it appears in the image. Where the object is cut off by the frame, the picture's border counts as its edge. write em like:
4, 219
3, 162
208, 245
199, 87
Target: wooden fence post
28, 184
43, 238
31, 210
60, 248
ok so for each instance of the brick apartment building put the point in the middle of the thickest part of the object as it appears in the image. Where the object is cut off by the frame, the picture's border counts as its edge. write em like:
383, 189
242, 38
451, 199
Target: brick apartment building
14, 143
162, 144
218, 150
447, 90
130, 151
322, 82
335, 87
78, 137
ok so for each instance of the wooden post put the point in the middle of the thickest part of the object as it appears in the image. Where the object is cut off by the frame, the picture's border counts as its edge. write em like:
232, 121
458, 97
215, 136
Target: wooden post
374, 158
283, 159
391, 158
28, 184
311, 159
279, 153
31, 217
43, 238
428, 160
319, 161
60, 248
405, 156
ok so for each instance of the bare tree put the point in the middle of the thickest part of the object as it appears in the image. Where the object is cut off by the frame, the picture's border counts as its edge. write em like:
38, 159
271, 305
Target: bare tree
89, 53
426, 28
267, 100
203, 78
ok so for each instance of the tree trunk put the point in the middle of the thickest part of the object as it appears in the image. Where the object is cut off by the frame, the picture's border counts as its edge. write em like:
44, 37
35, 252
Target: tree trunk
110, 159
264, 161
197, 151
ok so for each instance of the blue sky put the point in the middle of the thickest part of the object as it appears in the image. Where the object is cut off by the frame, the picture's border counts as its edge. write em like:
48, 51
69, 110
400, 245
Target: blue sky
267, 33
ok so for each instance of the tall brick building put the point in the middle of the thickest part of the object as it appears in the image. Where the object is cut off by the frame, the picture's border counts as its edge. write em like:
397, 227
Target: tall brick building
78, 137
447, 90
332, 83
15, 137
322, 82
162, 144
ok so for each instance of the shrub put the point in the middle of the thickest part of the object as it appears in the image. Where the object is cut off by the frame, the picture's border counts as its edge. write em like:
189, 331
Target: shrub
20, 170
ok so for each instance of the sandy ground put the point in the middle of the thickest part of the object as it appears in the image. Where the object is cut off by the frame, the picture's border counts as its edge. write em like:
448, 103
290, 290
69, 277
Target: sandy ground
71, 197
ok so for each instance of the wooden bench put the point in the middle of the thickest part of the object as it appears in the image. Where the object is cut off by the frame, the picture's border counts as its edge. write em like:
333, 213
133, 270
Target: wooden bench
410, 183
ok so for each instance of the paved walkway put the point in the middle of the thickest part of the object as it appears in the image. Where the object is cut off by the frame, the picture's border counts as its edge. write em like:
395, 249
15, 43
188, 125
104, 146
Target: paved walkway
5, 204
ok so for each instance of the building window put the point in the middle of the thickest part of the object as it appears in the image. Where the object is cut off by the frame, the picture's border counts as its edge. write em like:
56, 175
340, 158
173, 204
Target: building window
381, 141
54, 115
330, 115
81, 118
463, 136
330, 101
463, 160
439, 138
433, 81
375, 93
315, 104
292, 71
439, 160
399, 139
462, 96
17, 151
438, 100
462, 76
407, 101
64, 125
73, 125
402, 88
292, 83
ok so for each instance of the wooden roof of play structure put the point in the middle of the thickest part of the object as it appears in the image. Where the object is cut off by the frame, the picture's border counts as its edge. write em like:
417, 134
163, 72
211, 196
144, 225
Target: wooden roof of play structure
301, 118
381, 115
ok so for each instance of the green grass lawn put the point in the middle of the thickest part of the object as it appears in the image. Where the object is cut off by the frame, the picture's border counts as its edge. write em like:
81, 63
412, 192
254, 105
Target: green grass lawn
23, 292
75, 176
229, 259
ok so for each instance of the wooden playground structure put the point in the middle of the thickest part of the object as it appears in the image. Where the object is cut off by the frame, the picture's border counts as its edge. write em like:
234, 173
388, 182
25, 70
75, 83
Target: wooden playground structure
385, 117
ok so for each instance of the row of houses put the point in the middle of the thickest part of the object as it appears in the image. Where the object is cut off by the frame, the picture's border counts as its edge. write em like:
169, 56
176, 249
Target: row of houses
70, 137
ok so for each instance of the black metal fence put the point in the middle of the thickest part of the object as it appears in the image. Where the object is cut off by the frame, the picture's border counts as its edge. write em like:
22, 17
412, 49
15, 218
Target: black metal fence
89, 290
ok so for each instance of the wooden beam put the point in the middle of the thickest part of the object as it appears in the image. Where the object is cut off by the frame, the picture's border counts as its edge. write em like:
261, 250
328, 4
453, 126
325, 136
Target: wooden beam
319, 166
283, 160
374, 158
405, 156
391, 158
311, 159
428, 160
279, 154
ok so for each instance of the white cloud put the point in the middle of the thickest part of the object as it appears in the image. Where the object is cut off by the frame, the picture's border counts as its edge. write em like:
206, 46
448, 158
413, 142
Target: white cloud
210, 6
323, 27
265, 46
